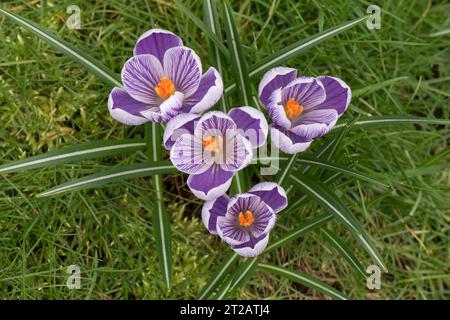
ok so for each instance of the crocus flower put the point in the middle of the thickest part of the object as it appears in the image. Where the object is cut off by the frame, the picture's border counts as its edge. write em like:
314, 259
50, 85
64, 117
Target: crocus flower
161, 80
245, 220
301, 109
211, 148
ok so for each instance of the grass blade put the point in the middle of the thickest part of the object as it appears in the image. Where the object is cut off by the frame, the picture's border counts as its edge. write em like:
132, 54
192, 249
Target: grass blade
295, 49
87, 61
304, 279
161, 222
237, 57
339, 168
205, 28
217, 277
69, 154
343, 249
282, 176
211, 20
382, 121
101, 179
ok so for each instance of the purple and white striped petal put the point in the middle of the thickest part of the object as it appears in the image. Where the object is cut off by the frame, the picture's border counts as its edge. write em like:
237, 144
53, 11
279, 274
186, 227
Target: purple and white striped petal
307, 91
214, 122
287, 141
210, 184
338, 94
187, 155
156, 42
276, 110
327, 116
238, 152
272, 194
274, 79
166, 110
251, 124
208, 93
212, 210
125, 109
183, 123
252, 248
184, 68
140, 75
308, 132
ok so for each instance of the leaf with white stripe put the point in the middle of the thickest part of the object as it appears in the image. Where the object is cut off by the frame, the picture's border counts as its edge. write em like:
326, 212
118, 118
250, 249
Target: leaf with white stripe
86, 60
161, 222
284, 55
333, 205
382, 121
120, 173
70, 154
217, 277
238, 62
304, 279
344, 250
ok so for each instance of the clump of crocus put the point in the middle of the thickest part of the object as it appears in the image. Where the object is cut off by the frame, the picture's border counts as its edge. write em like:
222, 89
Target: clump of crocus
245, 221
301, 109
213, 147
161, 80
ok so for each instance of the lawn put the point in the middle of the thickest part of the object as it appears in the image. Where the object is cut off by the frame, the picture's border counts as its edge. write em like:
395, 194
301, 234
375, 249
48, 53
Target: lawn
48, 100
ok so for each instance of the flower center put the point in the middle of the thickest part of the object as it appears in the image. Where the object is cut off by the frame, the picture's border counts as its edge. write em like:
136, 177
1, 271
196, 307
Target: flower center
165, 88
293, 109
246, 219
212, 144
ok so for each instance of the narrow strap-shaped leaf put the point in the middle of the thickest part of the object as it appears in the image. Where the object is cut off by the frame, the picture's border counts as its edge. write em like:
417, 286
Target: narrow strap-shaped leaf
338, 168
223, 289
211, 19
70, 154
382, 121
326, 198
333, 204
237, 57
205, 28
242, 273
86, 60
121, 173
343, 249
304, 279
217, 277
295, 49
161, 222
283, 175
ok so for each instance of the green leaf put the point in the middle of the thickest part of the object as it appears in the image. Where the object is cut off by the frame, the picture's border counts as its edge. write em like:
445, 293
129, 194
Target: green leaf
211, 19
241, 275
101, 179
86, 60
382, 121
161, 222
333, 204
217, 277
205, 28
282, 56
304, 279
69, 154
339, 168
282, 176
238, 62
343, 249
223, 289
326, 198
376, 86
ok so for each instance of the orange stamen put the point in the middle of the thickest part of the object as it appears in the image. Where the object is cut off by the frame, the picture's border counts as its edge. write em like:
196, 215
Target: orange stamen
293, 109
165, 88
247, 219
212, 144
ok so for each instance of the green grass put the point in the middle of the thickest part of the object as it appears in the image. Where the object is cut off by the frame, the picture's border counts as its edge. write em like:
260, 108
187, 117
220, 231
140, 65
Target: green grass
47, 100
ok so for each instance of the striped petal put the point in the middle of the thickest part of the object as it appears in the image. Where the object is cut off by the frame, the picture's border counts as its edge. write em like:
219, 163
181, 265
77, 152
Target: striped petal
272, 194
166, 110
184, 68
252, 248
287, 141
210, 184
274, 79
307, 91
251, 124
156, 42
338, 94
125, 109
188, 157
208, 93
140, 75
212, 210
183, 123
